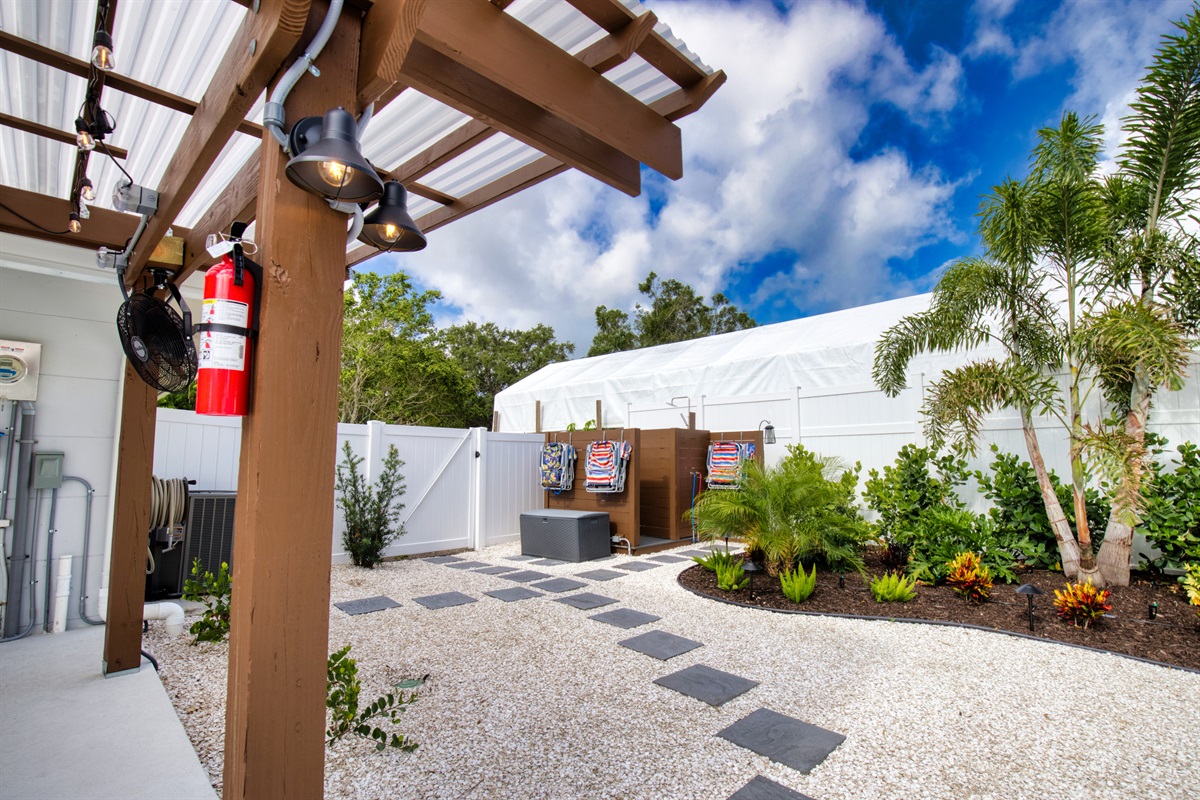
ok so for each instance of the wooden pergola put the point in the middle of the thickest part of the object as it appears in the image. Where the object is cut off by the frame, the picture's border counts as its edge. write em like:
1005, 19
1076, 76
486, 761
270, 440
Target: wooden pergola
471, 55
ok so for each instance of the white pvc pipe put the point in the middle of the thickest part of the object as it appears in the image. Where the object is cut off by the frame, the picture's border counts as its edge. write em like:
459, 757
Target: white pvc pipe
62, 594
172, 613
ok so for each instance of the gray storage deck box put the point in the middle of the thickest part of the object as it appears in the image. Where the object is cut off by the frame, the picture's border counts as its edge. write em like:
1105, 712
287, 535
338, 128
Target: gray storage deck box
565, 535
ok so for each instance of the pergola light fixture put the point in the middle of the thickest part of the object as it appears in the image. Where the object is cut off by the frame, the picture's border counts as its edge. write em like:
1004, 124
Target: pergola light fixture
327, 162
102, 52
390, 227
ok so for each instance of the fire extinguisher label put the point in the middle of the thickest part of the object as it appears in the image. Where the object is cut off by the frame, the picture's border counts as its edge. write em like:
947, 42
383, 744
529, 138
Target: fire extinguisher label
224, 350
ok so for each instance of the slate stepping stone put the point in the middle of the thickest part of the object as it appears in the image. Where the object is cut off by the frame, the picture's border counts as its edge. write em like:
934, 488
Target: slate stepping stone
660, 645
669, 559
443, 559
547, 562
625, 618
467, 565
701, 553
444, 600
367, 605
601, 575
780, 738
494, 570
513, 594
526, 575
559, 585
637, 566
521, 558
586, 601
760, 788
706, 684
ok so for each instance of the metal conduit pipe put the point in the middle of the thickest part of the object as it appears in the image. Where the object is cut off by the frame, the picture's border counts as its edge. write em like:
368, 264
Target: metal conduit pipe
32, 571
619, 539
273, 116
16, 573
87, 537
49, 556
11, 432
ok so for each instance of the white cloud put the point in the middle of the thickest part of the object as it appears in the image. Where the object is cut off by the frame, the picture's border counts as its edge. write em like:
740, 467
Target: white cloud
767, 168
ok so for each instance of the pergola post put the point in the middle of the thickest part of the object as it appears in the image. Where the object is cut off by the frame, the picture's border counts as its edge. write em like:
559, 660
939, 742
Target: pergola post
131, 521
275, 717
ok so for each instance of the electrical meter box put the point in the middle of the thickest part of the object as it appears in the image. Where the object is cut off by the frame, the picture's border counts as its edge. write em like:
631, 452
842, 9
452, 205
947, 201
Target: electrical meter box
20, 363
47, 471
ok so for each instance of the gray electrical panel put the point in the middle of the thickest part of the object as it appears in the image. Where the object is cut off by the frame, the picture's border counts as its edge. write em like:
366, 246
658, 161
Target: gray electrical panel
47, 471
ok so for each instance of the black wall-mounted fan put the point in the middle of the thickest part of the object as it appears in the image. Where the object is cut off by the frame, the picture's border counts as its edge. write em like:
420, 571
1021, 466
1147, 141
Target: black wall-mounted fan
157, 342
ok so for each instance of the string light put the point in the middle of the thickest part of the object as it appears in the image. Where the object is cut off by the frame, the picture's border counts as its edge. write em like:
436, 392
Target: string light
102, 43
83, 135
73, 223
87, 191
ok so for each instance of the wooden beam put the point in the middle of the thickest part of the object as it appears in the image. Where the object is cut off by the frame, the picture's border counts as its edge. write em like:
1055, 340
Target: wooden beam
461, 88
421, 190
444, 150
478, 36
104, 228
387, 33
76, 66
613, 16
690, 99
45, 131
131, 525
234, 89
279, 636
617, 48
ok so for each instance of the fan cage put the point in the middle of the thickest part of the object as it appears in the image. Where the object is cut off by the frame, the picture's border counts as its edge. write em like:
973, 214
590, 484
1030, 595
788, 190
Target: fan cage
153, 338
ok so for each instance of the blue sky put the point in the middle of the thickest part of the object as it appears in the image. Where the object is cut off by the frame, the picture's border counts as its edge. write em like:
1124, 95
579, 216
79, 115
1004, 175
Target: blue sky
841, 164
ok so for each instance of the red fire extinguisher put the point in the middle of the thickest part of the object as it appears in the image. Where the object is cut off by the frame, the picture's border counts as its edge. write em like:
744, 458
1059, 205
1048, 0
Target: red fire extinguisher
226, 328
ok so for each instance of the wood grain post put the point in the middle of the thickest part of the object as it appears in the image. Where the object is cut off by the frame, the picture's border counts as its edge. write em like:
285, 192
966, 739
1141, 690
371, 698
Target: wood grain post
537, 416
131, 525
495, 421
599, 416
278, 648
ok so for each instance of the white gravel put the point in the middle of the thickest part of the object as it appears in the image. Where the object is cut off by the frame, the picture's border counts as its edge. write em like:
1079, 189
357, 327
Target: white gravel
533, 700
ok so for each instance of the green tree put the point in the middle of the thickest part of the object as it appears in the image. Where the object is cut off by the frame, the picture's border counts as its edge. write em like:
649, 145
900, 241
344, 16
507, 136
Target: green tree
1142, 339
676, 313
394, 365
493, 358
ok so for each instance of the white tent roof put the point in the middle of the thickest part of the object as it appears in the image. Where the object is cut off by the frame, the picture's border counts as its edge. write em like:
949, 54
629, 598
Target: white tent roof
829, 350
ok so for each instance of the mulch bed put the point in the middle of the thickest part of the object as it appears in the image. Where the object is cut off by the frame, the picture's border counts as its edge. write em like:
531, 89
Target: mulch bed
1173, 637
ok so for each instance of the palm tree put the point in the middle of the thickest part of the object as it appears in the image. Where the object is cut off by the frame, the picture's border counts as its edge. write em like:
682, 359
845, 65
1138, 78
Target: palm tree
1144, 339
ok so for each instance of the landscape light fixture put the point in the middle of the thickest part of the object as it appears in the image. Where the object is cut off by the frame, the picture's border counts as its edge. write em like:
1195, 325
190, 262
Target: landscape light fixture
390, 227
1030, 591
1153, 610
73, 223
83, 135
768, 432
326, 160
750, 568
86, 190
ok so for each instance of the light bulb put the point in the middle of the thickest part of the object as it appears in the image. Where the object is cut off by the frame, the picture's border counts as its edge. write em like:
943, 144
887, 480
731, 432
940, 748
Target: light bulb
102, 54
335, 173
87, 191
390, 233
73, 223
83, 136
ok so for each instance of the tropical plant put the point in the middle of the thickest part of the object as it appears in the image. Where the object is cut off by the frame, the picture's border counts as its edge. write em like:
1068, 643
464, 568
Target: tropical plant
731, 576
905, 491
1142, 339
796, 511
342, 688
892, 587
371, 513
946, 532
796, 585
969, 577
1081, 602
1191, 584
215, 591
717, 559
1171, 519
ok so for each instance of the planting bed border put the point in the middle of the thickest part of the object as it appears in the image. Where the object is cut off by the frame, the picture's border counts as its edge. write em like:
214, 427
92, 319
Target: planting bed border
944, 623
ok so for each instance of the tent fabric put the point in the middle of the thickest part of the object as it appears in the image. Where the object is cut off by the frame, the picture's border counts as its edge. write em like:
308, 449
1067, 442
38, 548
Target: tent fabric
827, 350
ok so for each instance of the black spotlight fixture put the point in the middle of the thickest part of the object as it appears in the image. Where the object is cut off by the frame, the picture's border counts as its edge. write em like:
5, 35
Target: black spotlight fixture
390, 227
327, 161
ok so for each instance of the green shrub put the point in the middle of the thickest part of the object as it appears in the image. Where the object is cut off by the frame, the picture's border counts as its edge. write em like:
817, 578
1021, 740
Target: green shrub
1171, 519
946, 532
371, 513
797, 586
731, 577
907, 490
970, 578
800, 510
892, 587
1081, 602
215, 591
342, 688
717, 559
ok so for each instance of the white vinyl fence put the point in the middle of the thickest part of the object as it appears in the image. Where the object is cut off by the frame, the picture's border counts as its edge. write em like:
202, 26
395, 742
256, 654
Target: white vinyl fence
464, 487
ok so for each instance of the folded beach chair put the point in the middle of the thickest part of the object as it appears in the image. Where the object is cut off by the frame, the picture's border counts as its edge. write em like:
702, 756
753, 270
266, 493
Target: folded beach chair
606, 465
558, 466
725, 461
